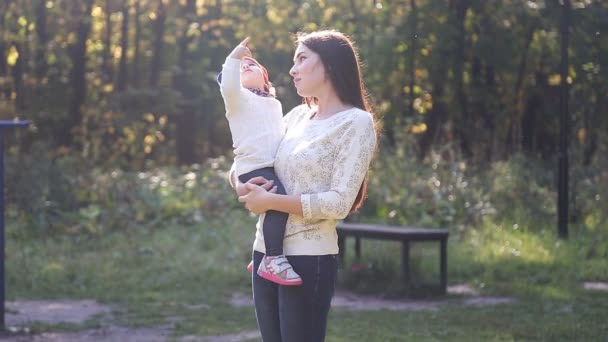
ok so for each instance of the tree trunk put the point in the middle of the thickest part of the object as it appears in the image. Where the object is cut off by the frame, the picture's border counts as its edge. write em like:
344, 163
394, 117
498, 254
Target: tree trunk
564, 136
185, 125
159, 33
78, 82
137, 44
515, 128
533, 107
5, 90
41, 32
17, 72
433, 120
121, 83
413, 48
107, 65
463, 122
438, 115
591, 116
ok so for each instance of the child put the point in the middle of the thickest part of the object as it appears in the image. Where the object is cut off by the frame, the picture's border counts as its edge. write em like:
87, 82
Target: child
255, 118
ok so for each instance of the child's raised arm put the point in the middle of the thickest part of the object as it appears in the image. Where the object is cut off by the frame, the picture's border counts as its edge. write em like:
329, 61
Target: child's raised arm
230, 82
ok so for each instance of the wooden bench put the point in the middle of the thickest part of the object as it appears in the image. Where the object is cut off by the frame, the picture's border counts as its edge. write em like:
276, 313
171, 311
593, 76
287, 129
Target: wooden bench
403, 234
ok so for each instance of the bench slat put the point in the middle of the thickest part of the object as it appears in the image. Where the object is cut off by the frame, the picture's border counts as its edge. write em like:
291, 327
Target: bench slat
391, 232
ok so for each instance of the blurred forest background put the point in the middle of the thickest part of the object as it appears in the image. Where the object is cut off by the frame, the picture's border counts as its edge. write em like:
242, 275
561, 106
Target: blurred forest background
118, 90
118, 190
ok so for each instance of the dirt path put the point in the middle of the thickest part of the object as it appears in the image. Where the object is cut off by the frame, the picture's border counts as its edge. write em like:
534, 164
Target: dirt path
21, 314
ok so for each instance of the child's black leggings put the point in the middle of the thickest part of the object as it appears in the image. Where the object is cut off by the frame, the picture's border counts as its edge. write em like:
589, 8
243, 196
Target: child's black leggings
275, 221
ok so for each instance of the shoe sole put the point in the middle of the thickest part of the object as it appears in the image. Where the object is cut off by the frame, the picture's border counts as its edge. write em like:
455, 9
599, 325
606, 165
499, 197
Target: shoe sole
274, 279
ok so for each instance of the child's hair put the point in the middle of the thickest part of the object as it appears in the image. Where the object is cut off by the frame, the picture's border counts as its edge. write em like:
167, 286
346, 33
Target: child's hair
268, 87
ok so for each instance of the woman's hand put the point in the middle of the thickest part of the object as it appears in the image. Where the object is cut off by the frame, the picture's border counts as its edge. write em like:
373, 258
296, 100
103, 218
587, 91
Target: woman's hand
241, 188
257, 200
241, 50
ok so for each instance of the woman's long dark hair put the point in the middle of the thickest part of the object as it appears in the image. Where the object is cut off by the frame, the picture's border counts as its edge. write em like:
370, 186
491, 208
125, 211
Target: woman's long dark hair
339, 57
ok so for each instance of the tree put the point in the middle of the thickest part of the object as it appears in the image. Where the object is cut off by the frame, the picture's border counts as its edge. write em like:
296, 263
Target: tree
78, 82
563, 190
158, 22
121, 83
185, 123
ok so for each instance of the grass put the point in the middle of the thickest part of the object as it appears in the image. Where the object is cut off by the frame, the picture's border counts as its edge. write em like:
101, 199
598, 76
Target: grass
187, 273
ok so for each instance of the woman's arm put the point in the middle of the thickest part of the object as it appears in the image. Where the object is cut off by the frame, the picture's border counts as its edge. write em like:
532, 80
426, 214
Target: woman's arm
259, 201
356, 147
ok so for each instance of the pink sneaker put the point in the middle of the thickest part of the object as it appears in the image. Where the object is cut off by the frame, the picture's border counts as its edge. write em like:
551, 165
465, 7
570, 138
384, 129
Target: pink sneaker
250, 267
278, 269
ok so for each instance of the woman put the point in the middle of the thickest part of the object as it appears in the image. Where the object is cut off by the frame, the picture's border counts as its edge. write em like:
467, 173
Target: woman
323, 162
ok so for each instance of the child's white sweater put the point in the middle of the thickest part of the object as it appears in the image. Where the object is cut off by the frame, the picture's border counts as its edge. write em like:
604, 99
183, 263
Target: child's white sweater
256, 122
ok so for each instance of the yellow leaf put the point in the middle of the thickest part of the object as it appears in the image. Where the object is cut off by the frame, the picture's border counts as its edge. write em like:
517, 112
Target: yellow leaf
22, 21
419, 128
581, 134
274, 17
554, 80
13, 56
149, 117
97, 12
108, 88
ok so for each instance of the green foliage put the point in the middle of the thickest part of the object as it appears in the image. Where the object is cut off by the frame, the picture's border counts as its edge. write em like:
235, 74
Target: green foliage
484, 75
460, 196
66, 194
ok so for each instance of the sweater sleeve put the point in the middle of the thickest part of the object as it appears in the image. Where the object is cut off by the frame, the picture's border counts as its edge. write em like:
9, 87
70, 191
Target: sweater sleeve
230, 85
355, 148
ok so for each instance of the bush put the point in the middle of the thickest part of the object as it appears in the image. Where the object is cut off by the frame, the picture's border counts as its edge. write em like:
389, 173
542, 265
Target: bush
458, 196
51, 193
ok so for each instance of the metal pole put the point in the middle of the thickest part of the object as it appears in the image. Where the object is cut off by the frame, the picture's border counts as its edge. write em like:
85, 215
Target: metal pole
562, 197
2, 254
4, 124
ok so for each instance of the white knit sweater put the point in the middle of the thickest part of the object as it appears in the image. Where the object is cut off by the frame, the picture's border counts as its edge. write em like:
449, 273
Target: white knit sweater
325, 162
256, 122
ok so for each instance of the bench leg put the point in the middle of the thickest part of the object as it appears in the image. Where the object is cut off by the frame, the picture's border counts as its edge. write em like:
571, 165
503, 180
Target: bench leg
358, 248
444, 266
341, 249
405, 255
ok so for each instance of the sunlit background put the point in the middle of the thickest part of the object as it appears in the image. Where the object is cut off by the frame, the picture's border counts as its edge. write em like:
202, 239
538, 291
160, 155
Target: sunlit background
117, 190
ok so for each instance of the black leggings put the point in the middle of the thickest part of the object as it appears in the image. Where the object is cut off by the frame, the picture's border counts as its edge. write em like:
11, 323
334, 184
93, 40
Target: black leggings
296, 313
275, 221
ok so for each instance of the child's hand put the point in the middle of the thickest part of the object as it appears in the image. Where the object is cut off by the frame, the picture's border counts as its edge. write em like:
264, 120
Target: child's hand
241, 50
257, 200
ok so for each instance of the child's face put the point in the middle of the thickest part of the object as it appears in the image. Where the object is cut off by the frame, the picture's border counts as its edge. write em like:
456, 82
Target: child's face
251, 75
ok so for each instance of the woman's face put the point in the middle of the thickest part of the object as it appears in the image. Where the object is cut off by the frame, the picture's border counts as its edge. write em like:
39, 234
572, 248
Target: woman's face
251, 75
308, 72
